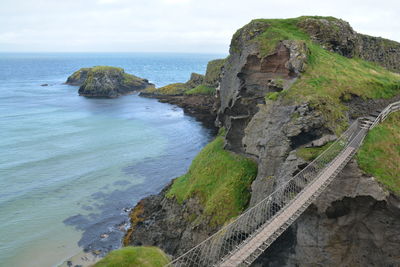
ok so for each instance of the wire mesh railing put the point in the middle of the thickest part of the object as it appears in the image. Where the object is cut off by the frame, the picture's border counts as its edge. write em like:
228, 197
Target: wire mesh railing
221, 245
215, 248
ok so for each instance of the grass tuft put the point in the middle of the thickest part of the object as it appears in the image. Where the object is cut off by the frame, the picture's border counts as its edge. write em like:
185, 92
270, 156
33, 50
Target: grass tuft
201, 90
134, 257
379, 156
311, 153
220, 179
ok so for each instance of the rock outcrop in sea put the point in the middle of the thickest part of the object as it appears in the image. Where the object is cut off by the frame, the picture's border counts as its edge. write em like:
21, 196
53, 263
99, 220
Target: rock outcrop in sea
287, 89
105, 81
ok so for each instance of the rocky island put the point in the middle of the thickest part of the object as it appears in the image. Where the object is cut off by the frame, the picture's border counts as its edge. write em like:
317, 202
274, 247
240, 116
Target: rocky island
288, 88
105, 81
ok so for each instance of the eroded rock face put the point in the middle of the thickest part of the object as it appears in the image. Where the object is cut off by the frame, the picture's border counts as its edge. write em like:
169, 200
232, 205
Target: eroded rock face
248, 77
272, 136
104, 81
169, 225
343, 227
354, 223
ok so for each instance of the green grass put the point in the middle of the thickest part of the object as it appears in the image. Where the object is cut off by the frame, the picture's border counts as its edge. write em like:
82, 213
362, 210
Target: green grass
272, 96
329, 77
311, 153
379, 156
220, 179
201, 90
77, 74
134, 257
278, 30
213, 72
170, 89
106, 68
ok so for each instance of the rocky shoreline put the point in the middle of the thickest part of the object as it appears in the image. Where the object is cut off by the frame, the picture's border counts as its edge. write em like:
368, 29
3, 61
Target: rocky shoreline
262, 125
201, 107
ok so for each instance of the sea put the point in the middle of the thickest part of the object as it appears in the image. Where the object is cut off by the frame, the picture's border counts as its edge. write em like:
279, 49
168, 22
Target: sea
71, 167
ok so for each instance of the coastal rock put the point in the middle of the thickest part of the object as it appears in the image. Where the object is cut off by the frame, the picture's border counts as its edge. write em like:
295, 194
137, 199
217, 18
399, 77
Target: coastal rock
79, 77
338, 36
160, 221
356, 221
251, 76
104, 81
195, 80
200, 103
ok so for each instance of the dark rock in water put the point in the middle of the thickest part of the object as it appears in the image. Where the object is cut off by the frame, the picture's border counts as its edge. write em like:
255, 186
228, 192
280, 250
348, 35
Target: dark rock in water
45, 84
104, 81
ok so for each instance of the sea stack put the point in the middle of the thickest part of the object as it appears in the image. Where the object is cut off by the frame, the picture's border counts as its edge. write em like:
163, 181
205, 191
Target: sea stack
106, 81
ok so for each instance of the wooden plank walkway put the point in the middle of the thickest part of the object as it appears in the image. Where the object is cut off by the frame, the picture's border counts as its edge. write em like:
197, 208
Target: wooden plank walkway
268, 229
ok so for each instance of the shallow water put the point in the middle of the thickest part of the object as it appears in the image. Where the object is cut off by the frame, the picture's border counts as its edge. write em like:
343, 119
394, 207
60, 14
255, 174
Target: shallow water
70, 166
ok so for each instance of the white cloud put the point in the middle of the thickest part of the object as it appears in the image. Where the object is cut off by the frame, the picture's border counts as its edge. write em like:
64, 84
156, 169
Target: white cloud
167, 25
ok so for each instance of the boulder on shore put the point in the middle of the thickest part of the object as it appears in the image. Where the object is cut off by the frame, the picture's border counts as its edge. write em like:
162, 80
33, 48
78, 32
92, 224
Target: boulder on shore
105, 81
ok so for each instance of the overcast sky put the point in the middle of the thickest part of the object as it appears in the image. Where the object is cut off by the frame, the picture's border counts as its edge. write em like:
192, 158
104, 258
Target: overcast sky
167, 25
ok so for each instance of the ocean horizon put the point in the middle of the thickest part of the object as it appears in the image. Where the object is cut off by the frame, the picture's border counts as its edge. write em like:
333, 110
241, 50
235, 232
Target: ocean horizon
71, 167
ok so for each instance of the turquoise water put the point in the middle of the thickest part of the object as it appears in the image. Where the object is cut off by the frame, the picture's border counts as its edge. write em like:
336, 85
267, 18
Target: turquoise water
70, 166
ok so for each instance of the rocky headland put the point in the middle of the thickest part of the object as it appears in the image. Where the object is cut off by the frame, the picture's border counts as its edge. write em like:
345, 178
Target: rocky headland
287, 89
197, 96
105, 81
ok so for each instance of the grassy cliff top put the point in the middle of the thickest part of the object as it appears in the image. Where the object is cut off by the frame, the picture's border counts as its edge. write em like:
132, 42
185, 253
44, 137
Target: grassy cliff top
134, 257
380, 154
329, 79
220, 179
96, 69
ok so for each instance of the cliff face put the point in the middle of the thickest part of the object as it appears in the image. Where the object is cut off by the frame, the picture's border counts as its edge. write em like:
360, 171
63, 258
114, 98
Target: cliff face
355, 222
274, 102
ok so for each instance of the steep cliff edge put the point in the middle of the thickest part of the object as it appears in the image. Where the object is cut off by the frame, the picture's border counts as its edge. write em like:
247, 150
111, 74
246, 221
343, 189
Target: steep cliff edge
287, 89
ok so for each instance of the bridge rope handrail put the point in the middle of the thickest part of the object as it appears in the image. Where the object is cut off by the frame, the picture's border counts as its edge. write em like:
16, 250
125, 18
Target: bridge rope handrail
216, 248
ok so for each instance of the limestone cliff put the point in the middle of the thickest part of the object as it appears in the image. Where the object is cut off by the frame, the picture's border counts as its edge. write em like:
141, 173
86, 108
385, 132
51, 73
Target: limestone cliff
290, 85
104, 81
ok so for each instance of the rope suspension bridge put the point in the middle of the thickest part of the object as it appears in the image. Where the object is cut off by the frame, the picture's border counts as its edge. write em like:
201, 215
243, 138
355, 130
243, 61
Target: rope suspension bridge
243, 240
